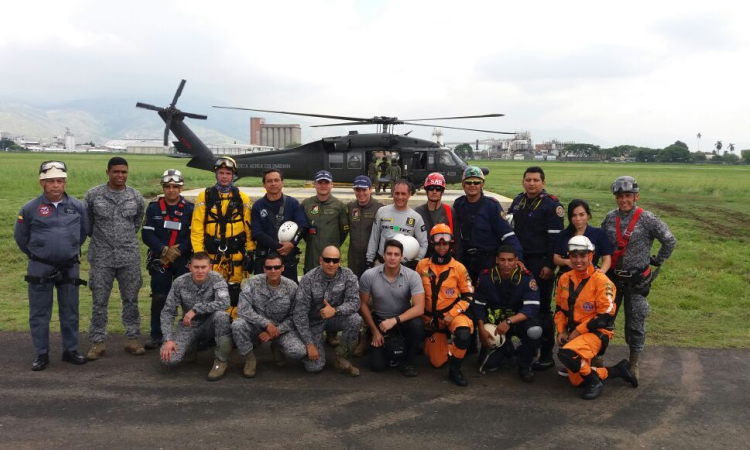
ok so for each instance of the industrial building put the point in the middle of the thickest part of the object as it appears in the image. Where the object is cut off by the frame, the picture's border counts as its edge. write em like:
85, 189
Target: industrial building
273, 135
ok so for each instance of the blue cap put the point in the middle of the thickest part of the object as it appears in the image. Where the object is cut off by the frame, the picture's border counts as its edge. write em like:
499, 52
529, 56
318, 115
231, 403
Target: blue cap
362, 181
323, 175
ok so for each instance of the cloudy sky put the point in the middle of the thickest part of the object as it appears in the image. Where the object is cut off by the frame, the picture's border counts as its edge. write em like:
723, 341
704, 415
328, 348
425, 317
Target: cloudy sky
641, 72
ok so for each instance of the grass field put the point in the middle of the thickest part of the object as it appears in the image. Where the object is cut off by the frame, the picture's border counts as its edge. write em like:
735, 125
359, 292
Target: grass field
700, 299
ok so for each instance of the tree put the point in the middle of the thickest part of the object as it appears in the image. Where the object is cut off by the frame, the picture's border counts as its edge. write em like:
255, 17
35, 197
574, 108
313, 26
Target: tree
677, 152
464, 151
292, 145
718, 145
582, 150
731, 147
745, 156
698, 156
730, 158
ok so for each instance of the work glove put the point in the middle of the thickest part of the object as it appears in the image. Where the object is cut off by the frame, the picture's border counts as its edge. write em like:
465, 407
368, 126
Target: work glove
173, 253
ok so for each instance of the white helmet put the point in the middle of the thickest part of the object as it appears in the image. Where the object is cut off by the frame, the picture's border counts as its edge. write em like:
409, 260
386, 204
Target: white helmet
411, 246
496, 341
53, 169
580, 244
287, 230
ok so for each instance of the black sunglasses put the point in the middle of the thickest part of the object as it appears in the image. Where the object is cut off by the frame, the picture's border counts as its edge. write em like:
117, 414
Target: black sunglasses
279, 267
473, 183
331, 260
433, 188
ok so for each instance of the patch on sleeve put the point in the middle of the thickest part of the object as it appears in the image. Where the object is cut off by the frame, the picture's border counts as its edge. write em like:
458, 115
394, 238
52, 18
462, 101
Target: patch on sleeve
20, 219
588, 306
533, 286
560, 211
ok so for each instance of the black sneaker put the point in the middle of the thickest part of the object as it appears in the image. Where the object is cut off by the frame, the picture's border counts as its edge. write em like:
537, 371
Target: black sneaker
545, 362
409, 371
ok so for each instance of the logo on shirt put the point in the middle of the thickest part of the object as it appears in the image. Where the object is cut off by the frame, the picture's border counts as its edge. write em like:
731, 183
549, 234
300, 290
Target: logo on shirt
450, 292
315, 210
588, 306
44, 210
263, 213
355, 214
410, 221
396, 228
560, 212
533, 286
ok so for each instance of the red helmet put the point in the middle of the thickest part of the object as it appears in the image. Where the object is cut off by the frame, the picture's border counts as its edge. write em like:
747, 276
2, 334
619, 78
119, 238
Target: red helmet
435, 179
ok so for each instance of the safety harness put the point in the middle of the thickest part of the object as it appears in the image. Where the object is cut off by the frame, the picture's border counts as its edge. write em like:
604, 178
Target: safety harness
624, 238
153, 260
572, 324
448, 214
221, 243
56, 277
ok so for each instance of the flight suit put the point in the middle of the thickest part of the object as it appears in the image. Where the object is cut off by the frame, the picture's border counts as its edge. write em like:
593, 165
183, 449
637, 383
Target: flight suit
447, 286
266, 218
593, 317
361, 219
156, 237
329, 225
372, 172
114, 253
52, 236
224, 234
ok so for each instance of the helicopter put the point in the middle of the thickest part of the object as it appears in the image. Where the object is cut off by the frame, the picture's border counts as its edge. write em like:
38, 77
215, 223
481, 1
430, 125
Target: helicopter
345, 157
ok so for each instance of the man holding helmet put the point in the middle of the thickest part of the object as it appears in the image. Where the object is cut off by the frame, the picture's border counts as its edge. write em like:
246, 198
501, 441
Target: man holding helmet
267, 217
166, 233
435, 211
632, 231
50, 230
448, 293
507, 297
221, 228
584, 319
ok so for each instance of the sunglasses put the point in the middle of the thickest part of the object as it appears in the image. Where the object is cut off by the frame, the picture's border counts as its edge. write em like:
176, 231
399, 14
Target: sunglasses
434, 188
331, 260
473, 183
279, 267
49, 165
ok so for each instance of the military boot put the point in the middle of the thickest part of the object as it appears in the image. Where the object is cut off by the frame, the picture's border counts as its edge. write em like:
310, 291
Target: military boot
217, 371
250, 365
592, 387
223, 348
363, 345
635, 363
342, 364
454, 372
332, 339
96, 351
133, 347
622, 370
278, 357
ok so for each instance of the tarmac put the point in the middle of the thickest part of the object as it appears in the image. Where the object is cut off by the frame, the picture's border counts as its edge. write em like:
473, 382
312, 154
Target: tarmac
346, 195
687, 398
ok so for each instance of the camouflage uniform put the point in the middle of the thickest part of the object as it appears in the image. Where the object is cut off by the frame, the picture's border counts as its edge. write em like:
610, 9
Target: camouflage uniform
114, 253
341, 292
261, 304
208, 300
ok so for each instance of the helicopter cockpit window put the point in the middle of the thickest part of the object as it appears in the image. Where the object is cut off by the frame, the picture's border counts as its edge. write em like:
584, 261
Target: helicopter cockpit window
336, 160
354, 161
447, 160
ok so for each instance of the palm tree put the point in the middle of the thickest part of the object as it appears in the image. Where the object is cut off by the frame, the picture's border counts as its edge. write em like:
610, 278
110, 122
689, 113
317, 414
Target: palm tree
731, 147
699, 141
718, 145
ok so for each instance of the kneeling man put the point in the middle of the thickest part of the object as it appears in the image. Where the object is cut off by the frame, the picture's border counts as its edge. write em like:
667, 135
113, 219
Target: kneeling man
584, 319
265, 314
203, 296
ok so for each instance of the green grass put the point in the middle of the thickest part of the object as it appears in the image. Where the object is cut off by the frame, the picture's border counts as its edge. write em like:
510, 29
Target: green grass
700, 299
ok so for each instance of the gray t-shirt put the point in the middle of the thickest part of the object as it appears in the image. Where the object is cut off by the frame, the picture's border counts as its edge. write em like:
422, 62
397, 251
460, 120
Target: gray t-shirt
389, 222
390, 299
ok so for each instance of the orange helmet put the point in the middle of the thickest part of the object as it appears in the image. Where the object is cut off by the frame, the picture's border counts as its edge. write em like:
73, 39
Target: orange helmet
441, 232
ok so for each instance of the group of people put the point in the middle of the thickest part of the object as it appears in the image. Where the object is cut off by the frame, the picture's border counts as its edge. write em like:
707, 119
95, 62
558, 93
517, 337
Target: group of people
474, 281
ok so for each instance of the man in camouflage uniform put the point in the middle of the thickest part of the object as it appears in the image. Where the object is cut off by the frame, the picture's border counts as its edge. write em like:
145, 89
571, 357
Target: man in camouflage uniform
265, 314
328, 299
394, 173
632, 231
115, 213
203, 296
326, 216
372, 170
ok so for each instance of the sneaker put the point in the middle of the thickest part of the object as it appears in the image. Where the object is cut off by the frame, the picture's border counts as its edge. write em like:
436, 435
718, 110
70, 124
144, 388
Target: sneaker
96, 351
563, 372
409, 371
134, 348
545, 362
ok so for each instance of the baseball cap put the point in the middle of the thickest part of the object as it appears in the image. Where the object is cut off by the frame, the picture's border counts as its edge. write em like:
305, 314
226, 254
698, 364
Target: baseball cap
323, 175
363, 182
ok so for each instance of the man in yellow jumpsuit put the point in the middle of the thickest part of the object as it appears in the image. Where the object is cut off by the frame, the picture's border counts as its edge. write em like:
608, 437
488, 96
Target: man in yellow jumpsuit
448, 293
221, 228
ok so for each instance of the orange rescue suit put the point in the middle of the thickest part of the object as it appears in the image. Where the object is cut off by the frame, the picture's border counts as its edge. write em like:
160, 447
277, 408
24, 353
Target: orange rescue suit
456, 283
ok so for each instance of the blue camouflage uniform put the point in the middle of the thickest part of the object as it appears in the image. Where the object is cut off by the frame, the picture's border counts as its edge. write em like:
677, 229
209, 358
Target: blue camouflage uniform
265, 219
156, 237
538, 223
481, 229
495, 300
52, 236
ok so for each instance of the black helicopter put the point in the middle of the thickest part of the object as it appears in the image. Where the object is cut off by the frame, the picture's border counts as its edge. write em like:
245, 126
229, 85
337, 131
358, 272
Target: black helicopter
345, 157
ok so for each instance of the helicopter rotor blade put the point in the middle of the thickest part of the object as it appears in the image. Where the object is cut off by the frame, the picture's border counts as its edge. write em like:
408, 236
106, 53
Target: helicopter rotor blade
166, 131
458, 117
343, 124
147, 106
195, 116
178, 93
457, 128
323, 116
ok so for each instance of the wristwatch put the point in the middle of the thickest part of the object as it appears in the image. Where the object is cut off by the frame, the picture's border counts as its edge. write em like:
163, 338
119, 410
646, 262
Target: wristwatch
509, 322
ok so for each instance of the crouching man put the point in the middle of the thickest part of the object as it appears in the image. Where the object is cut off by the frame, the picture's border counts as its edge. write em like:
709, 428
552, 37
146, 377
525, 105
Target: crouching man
203, 296
265, 314
584, 319
328, 300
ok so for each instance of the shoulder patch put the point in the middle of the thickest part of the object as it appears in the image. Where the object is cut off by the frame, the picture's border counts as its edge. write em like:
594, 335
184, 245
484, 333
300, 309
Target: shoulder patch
533, 286
560, 211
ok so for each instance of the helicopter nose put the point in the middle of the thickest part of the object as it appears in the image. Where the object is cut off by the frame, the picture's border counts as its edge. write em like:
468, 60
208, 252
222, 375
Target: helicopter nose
485, 170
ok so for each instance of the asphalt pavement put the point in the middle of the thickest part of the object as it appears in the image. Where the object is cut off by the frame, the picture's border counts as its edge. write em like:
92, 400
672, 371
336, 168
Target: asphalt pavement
687, 398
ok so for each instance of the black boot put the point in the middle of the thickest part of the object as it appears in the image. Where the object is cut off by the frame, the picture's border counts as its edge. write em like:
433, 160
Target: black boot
592, 386
40, 362
622, 370
545, 362
454, 372
73, 357
526, 374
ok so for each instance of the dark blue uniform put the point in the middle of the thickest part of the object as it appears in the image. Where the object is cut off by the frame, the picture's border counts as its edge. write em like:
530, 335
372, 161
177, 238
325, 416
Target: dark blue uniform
538, 222
265, 219
597, 236
51, 236
481, 229
156, 236
495, 300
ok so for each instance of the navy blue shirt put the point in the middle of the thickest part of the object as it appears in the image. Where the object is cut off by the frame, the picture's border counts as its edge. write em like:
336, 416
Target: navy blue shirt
495, 298
597, 236
155, 236
265, 225
537, 223
481, 225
